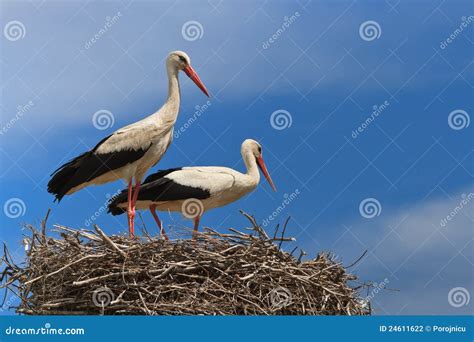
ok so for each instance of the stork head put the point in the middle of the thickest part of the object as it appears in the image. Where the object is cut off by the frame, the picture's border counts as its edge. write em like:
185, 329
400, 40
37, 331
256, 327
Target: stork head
180, 60
253, 149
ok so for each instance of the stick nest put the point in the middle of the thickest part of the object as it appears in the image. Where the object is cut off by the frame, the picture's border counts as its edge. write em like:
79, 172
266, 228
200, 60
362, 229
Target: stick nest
86, 272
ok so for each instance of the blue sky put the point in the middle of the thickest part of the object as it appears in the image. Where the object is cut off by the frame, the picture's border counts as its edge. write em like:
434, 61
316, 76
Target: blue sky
323, 73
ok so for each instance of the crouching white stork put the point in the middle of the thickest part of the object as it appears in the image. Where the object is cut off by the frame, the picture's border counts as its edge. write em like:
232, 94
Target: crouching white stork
129, 152
194, 190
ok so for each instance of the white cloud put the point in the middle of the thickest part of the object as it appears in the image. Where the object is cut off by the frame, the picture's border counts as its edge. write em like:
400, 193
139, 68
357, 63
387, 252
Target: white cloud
413, 244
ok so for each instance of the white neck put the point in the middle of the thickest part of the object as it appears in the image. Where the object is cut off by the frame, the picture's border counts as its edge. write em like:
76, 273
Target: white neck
169, 111
251, 164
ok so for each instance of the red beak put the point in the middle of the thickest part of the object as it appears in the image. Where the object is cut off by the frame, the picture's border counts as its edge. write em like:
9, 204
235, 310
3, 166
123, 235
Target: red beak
263, 167
194, 76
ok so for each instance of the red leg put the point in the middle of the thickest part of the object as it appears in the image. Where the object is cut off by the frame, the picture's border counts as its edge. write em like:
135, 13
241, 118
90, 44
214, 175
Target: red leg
135, 193
132, 204
158, 222
129, 211
196, 225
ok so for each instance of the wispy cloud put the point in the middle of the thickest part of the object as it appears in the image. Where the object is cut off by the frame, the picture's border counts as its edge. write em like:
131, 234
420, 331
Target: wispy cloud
423, 257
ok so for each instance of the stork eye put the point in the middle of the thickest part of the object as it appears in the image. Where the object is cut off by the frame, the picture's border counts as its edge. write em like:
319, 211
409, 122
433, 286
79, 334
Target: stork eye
182, 59
259, 149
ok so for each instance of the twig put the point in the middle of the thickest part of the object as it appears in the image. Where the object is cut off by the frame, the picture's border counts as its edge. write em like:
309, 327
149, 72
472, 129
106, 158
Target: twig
108, 241
302, 254
256, 226
358, 259
276, 230
63, 268
283, 232
43, 227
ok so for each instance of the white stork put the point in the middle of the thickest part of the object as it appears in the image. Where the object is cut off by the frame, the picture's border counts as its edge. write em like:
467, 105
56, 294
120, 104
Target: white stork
129, 152
194, 190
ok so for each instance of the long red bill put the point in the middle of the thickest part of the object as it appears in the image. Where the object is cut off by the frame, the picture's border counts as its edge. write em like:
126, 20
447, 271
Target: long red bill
263, 167
194, 76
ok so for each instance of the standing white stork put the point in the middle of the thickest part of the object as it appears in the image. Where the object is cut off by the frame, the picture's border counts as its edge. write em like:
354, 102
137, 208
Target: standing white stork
194, 190
129, 152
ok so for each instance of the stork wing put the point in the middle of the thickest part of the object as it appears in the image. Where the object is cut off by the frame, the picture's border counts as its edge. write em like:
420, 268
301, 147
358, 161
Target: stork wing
193, 182
137, 136
126, 146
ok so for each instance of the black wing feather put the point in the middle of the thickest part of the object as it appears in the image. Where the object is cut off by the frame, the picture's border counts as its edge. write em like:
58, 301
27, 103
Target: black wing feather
88, 166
